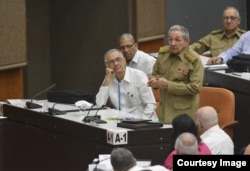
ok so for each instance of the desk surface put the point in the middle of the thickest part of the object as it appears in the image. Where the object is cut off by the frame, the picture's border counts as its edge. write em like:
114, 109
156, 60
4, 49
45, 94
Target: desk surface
47, 138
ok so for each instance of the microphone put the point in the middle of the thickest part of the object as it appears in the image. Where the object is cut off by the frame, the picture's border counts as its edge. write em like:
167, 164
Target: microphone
53, 111
32, 105
96, 118
88, 118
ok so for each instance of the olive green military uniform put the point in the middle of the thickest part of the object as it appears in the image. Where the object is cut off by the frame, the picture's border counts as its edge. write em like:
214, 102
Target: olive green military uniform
185, 78
216, 42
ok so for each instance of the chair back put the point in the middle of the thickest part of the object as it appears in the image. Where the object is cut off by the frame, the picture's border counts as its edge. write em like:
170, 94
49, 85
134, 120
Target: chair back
223, 101
157, 96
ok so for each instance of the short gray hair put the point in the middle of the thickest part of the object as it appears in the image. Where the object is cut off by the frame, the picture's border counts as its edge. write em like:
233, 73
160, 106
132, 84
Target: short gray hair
186, 144
122, 159
231, 7
111, 51
126, 36
180, 28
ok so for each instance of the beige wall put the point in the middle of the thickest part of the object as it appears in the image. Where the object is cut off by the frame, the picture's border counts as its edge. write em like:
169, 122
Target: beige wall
12, 34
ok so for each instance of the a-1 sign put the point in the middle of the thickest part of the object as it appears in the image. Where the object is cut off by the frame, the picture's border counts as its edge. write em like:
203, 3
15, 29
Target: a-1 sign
117, 137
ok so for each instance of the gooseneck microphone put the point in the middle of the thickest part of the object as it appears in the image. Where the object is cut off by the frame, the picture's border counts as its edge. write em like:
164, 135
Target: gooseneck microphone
88, 118
96, 118
32, 105
53, 111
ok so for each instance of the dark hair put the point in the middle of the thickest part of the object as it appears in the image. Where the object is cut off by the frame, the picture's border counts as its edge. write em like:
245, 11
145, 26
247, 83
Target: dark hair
183, 123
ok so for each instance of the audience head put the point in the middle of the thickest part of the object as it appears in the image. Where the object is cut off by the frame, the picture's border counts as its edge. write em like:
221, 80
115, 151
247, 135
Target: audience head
186, 144
122, 159
231, 19
183, 123
178, 39
128, 46
206, 118
115, 60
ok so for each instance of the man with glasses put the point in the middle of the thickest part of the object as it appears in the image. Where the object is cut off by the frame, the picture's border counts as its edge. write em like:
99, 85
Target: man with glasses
178, 73
135, 58
126, 88
221, 40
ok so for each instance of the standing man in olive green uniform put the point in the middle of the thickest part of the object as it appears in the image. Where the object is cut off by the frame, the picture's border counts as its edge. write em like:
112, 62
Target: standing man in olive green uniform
178, 73
220, 40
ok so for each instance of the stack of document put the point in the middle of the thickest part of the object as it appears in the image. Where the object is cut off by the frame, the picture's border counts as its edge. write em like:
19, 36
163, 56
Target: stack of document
204, 60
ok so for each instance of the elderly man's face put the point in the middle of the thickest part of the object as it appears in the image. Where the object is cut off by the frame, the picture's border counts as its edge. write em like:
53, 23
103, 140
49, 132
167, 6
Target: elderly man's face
116, 62
177, 42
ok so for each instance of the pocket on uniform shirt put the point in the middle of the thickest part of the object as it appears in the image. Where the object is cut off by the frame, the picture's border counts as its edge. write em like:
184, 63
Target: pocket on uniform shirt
183, 102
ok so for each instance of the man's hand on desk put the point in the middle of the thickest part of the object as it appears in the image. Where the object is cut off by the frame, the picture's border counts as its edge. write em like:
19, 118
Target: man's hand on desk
214, 60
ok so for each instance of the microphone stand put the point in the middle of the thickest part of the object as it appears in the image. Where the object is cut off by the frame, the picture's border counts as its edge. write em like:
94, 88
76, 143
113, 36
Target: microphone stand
32, 105
53, 111
96, 118
88, 118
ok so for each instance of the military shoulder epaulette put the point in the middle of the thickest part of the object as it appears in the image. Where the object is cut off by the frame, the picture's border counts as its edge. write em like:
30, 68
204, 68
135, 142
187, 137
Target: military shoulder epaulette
242, 31
164, 49
190, 56
217, 31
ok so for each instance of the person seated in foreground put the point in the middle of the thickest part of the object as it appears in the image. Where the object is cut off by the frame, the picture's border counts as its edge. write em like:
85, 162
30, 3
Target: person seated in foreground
186, 144
218, 141
184, 123
123, 159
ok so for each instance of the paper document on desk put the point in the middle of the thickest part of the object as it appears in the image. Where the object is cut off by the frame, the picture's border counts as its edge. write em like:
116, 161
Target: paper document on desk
17, 102
217, 66
204, 60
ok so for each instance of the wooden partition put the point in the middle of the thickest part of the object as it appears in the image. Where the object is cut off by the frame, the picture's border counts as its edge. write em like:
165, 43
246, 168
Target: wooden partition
150, 24
11, 84
151, 46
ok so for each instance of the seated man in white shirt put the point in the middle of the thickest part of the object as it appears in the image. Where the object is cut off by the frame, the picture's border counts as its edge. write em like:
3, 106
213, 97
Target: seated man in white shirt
135, 58
126, 88
216, 138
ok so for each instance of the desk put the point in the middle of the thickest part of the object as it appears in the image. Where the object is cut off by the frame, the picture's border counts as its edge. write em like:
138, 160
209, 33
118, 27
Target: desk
31, 140
241, 89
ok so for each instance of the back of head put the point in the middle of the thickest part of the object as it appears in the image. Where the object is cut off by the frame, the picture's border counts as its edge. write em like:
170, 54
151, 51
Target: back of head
186, 144
183, 123
206, 117
122, 159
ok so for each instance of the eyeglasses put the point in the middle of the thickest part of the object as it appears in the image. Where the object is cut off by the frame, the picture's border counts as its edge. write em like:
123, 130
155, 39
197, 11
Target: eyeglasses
232, 18
126, 46
112, 62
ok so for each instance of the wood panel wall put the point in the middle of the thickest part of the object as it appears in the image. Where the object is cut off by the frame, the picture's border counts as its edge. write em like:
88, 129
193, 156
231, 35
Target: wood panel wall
11, 84
12, 48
